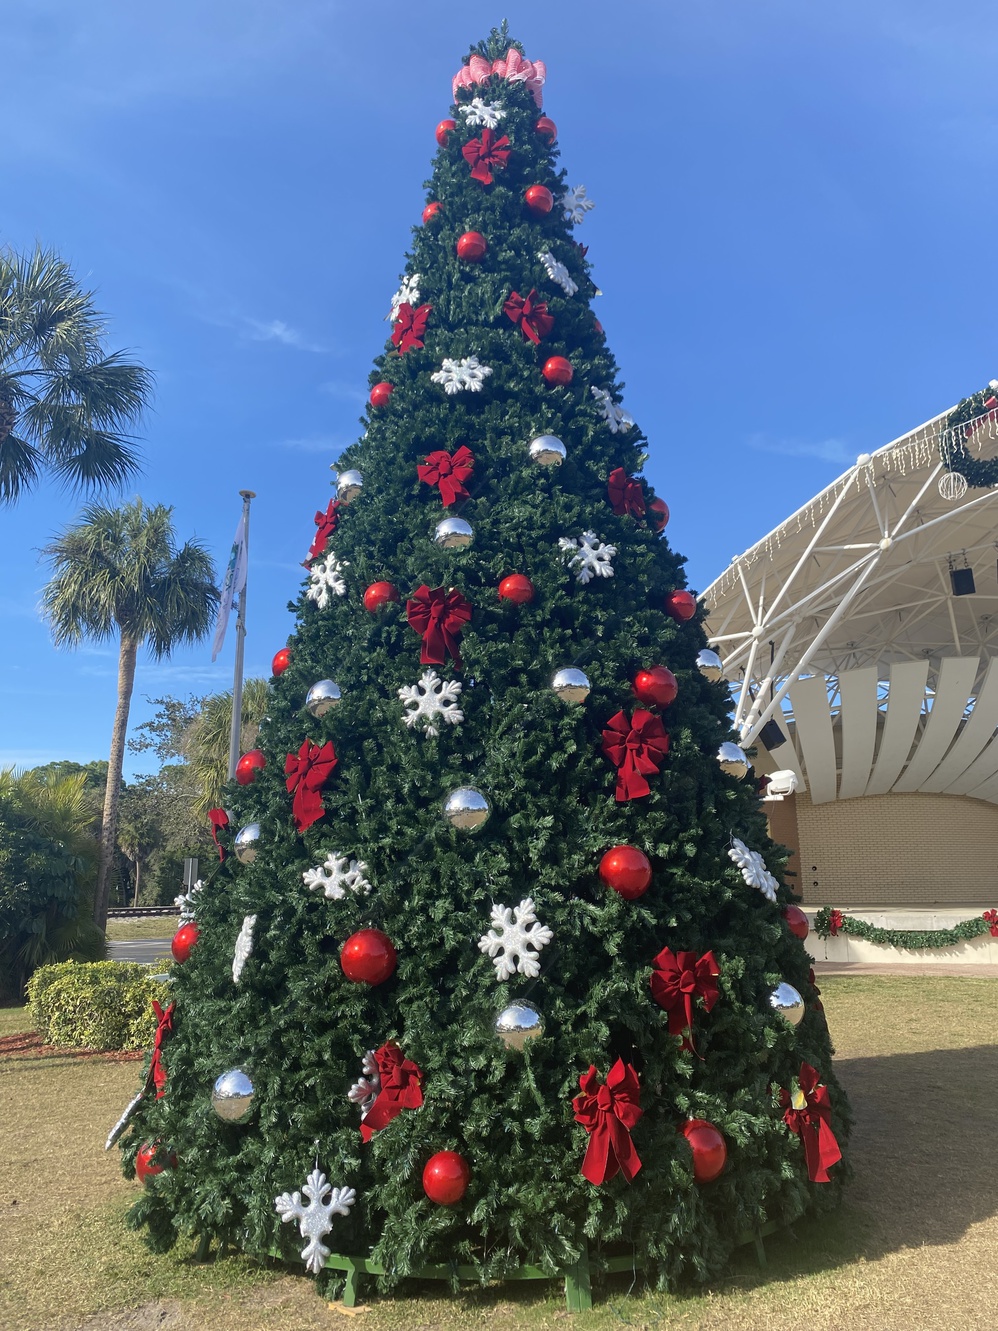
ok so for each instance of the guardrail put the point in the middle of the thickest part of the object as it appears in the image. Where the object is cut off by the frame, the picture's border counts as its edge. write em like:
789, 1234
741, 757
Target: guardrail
140, 912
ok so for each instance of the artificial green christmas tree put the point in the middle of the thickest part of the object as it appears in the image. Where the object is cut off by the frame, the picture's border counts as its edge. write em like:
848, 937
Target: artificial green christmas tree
497, 956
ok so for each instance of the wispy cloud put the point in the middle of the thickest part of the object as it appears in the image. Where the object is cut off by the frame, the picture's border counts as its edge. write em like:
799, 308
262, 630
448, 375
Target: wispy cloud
346, 392
314, 443
826, 450
276, 330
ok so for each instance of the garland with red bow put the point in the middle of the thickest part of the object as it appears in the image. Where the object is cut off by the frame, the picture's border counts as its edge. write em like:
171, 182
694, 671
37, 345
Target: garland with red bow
808, 1112
219, 820
326, 524
486, 155
164, 1027
401, 1088
529, 314
626, 494
635, 746
439, 618
307, 772
677, 980
409, 327
829, 923
448, 471
608, 1111
967, 417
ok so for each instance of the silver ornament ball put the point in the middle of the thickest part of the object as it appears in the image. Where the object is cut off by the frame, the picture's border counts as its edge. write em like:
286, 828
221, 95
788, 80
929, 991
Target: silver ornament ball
785, 1000
547, 451
453, 534
571, 685
732, 760
710, 665
232, 1096
247, 843
348, 486
519, 1024
467, 809
322, 697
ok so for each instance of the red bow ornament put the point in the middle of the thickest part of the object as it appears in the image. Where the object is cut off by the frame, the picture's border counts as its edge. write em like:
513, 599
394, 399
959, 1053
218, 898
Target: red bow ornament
991, 919
401, 1088
529, 314
326, 524
635, 747
439, 618
626, 493
164, 1027
448, 471
676, 981
835, 918
808, 1113
608, 1111
485, 155
409, 327
307, 772
219, 819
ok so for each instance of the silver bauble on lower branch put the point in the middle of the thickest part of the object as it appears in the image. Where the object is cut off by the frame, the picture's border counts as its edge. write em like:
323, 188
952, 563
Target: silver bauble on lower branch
571, 685
322, 697
547, 451
518, 1024
710, 665
732, 760
785, 1000
453, 534
348, 486
247, 843
467, 809
232, 1096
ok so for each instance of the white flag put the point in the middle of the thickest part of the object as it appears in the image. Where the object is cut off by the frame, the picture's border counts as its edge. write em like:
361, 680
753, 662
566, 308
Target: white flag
232, 585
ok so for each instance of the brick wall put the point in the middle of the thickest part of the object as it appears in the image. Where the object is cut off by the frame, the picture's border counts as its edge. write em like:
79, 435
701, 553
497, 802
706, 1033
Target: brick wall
898, 850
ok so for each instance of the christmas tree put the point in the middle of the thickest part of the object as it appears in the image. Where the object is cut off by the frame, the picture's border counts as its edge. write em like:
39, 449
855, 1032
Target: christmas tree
496, 958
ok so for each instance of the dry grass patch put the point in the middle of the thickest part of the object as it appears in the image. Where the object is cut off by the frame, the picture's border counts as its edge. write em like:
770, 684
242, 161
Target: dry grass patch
154, 926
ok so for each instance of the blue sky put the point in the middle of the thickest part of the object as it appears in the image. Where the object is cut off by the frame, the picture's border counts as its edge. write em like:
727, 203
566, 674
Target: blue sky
794, 234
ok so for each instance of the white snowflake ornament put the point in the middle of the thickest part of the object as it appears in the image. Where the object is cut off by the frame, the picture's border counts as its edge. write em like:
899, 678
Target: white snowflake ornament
316, 1219
519, 939
589, 556
244, 947
407, 294
325, 578
436, 702
615, 416
365, 1089
478, 112
188, 902
557, 272
576, 204
462, 376
337, 876
753, 868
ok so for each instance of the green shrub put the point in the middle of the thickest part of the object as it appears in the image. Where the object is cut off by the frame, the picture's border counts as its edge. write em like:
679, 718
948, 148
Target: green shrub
95, 1005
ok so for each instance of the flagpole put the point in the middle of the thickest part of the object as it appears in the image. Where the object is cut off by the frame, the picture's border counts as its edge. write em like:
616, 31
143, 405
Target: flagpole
235, 728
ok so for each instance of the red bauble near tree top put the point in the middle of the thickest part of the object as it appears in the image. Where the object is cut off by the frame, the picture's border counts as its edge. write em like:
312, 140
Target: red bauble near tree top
380, 394
443, 130
471, 247
446, 1176
539, 200
281, 661
431, 211
797, 921
681, 605
145, 1164
546, 126
558, 370
517, 588
659, 511
368, 957
248, 766
379, 594
627, 870
183, 942
709, 1150
655, 687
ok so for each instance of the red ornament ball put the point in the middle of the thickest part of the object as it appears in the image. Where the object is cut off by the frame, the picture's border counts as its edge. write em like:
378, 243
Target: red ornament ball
145, 1166
517, 588
380, 394
547, 127
368, 957
281, 661
248, 766
681, 605
539, 200
656, 686
431, 211
558, 370
471, 247
709, 1150
183, 942
446, 1178
796, 921
443, 129
379, 594
660, 514
627, 870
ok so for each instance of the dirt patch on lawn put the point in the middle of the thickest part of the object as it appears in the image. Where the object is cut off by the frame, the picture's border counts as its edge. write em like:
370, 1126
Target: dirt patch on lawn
28, 1044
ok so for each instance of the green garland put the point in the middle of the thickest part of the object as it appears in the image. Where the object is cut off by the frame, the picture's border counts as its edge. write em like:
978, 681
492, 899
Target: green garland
979, 472
903, 938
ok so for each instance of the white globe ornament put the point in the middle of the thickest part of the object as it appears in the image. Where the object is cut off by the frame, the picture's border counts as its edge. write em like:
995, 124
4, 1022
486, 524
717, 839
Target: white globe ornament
322, 697
710, 665
247, 843
571, 685
952, 486
785, 1000
453, 534
547, 451
519, 1024
232, 1096
732, 760
348, 486
466, 809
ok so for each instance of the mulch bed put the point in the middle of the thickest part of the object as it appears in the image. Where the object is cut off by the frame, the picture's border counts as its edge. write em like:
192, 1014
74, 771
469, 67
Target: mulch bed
26, 1044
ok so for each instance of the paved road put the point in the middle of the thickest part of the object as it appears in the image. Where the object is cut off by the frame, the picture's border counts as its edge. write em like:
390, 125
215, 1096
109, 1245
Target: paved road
145, 950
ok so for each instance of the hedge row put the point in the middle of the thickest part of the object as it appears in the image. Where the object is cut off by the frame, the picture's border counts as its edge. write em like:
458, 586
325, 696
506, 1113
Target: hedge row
95, 1005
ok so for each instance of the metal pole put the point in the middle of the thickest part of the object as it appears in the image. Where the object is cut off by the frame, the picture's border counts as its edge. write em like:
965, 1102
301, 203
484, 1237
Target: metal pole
237, 674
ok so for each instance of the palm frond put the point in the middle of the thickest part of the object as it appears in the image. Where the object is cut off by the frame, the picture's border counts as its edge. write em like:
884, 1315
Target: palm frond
19, 467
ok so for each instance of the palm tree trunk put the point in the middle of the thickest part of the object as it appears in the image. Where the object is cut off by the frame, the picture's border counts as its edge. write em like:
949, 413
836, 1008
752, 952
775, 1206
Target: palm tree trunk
109, 824
138, 872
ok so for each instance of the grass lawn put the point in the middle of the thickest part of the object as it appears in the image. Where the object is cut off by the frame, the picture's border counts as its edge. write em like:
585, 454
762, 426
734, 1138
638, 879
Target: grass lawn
913, 1247
154, 926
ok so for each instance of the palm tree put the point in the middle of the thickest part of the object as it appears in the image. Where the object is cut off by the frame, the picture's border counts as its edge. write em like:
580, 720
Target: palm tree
206, 740
119, 574
64, 401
